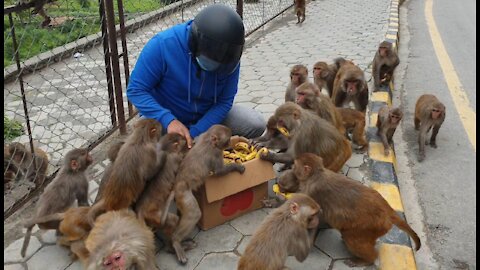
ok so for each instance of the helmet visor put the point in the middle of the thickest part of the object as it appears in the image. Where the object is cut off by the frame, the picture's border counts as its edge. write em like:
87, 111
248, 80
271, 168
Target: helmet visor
224, 53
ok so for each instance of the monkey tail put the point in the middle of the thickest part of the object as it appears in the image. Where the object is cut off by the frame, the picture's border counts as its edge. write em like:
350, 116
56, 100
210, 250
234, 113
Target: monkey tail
26, 240
29, 225
94, 211
400, 223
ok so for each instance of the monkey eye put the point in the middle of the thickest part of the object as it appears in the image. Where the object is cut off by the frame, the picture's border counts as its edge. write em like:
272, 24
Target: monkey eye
295, 74
435, 110
118, 257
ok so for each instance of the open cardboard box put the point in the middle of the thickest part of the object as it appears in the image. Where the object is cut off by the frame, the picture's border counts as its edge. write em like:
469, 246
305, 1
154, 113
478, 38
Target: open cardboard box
226, 197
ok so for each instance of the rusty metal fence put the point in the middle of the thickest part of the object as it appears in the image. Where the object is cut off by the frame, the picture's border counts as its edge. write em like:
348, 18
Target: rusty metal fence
65, 83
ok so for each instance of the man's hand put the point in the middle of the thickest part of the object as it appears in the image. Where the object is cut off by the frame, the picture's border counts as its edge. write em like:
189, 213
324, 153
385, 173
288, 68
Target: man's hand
177, 127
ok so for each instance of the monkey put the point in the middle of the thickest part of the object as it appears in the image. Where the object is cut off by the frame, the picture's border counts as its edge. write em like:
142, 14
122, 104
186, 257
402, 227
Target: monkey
38, 8
324, 76
138, 160
384, 63
112, 155
298, 75
20, 163
350, 85
154, 202
11, 170
272, 139
429, 112
69, 184
354, 122
309, 97
387, 122
118, 240
309, 133
288, 231
204, 159
287, 182
359, 212
300, 10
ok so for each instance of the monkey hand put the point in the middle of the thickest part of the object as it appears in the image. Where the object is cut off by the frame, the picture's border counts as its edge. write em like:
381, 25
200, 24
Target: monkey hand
236, 139
433, 144
240, 168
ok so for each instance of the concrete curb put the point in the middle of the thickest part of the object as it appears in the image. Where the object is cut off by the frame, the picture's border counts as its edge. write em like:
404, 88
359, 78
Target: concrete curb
395, 252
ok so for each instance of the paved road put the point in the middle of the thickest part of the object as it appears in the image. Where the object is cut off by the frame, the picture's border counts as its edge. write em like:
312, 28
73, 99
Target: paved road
445, 182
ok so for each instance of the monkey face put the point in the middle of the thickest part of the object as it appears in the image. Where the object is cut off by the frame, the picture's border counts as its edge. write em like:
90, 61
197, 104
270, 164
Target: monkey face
220, 136
287, 182
351, 86
395, 118
298, 74
300, 98
383, 51
436, 113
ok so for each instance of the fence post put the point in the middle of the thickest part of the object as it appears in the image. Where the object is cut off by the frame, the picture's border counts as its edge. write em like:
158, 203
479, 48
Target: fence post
240, 8
108, 67
112, 38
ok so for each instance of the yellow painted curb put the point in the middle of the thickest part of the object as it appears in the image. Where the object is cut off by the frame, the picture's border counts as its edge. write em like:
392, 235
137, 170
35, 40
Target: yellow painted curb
373, 120
390, 193
396, 257
381, 97
376, 152
390, 36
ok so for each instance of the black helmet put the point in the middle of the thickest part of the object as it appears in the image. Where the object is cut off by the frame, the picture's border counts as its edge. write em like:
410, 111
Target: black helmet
216, 38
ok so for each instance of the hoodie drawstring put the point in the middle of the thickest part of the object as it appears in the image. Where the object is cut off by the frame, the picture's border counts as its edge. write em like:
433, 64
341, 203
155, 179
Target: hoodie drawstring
215, 96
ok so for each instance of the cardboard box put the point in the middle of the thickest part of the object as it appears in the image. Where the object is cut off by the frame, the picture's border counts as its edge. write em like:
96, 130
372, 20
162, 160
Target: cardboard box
224, 198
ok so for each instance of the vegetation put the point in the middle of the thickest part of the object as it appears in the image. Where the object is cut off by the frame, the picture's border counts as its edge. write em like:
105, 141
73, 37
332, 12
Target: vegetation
82, 19
11, 128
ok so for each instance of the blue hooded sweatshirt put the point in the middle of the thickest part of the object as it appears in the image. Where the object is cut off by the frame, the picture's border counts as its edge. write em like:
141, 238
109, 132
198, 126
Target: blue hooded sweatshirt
167, 84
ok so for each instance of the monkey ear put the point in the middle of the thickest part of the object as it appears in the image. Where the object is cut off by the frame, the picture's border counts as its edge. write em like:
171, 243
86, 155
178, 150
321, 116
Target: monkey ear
296, 114
74, 165
214, 140
153, 132
294, 208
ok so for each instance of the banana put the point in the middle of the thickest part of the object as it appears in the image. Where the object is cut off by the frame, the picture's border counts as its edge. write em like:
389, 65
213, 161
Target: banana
284, 131
261, 151
251, 156
276, 189
241, 146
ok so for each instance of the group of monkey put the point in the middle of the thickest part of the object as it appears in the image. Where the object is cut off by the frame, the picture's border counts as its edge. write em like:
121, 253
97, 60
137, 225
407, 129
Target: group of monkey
149, 170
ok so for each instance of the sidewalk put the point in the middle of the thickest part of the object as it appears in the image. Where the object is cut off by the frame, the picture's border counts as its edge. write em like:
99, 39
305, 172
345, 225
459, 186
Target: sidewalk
333, 28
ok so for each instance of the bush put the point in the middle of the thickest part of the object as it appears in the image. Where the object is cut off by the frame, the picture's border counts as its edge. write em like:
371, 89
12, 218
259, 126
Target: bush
11, 128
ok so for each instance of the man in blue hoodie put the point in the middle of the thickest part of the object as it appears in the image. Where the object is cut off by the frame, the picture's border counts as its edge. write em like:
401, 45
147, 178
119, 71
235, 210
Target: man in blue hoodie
186, 77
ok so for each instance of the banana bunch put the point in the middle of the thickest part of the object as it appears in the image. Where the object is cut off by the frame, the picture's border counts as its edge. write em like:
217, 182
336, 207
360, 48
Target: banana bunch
242, 152
276, 189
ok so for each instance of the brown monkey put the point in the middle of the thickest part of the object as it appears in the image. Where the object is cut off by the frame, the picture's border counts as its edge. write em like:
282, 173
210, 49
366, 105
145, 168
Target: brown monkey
272, 139
310, 98
118, 240
384, 63
287, 182
203, 160
429, 112
138, 160
387, 122
288, 231
153, 204
298, 75
21, 160
360, 213
350, 85
112, 155
309, 133
300, 10
70, 183
354, 122
324, 76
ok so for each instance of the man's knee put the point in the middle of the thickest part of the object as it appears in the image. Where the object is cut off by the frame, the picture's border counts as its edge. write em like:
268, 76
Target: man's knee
245, 121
